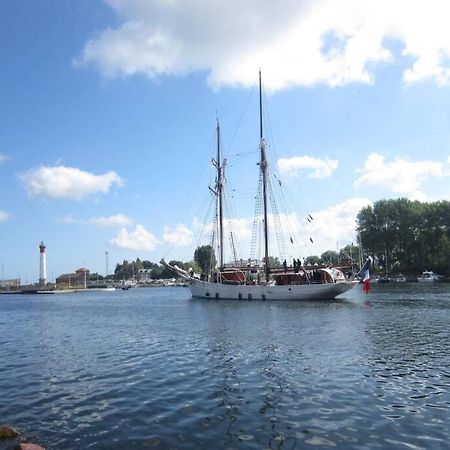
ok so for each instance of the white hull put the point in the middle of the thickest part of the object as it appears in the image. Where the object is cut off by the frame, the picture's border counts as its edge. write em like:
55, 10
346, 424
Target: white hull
203, 289
427, 280
429, 277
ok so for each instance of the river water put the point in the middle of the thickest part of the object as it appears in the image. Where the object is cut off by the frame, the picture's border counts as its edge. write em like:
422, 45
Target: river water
153, 368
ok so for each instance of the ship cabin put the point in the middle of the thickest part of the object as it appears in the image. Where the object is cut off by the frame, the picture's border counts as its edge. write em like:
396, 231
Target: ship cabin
308, 275
250, 276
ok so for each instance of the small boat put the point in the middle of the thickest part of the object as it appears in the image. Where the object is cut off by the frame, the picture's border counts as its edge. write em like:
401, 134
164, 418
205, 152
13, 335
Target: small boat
383, 279
429, 277
100, 286
400, 278
254, 279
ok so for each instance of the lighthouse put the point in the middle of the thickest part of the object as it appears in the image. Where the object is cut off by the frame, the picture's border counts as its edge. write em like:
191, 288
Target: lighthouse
42, 265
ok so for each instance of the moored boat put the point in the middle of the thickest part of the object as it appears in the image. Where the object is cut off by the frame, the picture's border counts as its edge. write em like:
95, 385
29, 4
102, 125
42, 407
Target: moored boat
383, 279
429, 277
400, 278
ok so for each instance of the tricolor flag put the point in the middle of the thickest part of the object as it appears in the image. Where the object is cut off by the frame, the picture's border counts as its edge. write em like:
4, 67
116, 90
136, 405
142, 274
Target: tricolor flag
364, 275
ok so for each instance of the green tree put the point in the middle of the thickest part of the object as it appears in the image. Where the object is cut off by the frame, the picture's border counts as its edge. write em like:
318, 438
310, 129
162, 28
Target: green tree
156, 272
329, 257
313, 259
123, 271
127, 270
205, 258
137, 265
274, 262
95, 276
349, 254
192, 265
148, 264
405, 235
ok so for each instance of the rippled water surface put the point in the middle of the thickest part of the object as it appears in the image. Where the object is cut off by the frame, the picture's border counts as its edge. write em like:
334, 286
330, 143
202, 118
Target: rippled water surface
152, 368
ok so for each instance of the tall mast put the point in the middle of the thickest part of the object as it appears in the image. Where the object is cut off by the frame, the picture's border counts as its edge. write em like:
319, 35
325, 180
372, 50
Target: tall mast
220, 196
263, 164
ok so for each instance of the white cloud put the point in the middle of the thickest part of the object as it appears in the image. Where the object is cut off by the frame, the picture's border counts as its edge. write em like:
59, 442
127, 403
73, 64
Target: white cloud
180, 236
401, 176
321, 167
67, 182
137, 239
242, 228
329, 227
111, 221
3, 158
4, 216
335, 224
101, 221
301, 43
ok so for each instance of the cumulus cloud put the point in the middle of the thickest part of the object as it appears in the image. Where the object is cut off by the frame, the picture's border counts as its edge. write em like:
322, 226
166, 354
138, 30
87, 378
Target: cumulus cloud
111, 221
321, 168
3, 158
4, 216
335, 224
330, 226
62, 182
301, 43
180, 236
401, 176
101, 221
137, 239
241, 228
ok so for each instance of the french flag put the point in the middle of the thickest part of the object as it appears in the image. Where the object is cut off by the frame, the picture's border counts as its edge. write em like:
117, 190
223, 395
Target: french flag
364, 275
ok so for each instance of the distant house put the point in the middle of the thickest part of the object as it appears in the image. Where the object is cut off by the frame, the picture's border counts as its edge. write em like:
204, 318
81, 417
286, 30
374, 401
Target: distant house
74, 279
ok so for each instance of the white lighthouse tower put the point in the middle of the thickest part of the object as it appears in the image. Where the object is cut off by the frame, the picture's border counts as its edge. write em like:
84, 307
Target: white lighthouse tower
42, 265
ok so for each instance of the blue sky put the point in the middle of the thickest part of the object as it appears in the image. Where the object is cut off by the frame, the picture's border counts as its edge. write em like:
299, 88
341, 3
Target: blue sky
108, 110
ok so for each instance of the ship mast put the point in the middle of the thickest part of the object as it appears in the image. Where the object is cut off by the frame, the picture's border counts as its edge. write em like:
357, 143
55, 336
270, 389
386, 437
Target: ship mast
219, 188
264, 165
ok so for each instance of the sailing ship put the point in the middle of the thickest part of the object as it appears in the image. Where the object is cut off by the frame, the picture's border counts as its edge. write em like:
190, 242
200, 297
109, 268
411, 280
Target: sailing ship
253, 280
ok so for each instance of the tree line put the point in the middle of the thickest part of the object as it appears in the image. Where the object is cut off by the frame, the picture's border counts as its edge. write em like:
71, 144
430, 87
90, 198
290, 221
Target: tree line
406, 236
132, 269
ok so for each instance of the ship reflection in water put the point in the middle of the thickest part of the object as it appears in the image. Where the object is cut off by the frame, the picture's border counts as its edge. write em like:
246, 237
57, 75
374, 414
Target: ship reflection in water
153, 368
